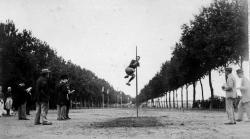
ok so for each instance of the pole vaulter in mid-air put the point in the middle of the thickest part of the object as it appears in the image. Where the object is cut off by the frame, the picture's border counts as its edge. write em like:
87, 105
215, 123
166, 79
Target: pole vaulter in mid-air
131, 69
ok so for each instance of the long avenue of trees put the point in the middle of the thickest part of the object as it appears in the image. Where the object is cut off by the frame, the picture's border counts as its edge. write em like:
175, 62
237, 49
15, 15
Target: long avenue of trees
23, 56
215, 38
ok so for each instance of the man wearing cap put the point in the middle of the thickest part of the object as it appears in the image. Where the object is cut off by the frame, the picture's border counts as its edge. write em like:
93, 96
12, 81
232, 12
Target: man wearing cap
22, 100
62, 91
68, 100
230, 88
42, 98
244, 104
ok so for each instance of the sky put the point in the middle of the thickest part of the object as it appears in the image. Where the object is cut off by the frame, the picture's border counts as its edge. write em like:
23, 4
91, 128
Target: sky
102, 35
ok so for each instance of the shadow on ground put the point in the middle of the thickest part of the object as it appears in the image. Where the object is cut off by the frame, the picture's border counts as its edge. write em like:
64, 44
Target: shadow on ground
129, 122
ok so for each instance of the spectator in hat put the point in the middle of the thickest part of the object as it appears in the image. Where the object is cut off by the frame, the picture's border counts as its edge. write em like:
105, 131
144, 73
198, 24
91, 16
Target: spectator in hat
244, 104
230, 88
21, 100
9, 100
68, 101
62, 91
42, 98
63, 98
29, 100
2, 110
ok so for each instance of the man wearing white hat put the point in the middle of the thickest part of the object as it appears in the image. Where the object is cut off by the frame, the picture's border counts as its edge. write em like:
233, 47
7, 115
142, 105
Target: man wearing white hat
244, 104
42, 98
230, 88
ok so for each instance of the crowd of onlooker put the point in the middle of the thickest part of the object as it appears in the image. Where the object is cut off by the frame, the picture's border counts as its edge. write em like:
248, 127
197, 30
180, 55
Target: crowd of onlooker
20, 96
16, 99
217, 103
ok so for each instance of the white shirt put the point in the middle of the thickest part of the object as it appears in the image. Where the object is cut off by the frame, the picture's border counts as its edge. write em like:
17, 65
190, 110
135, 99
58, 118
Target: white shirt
231, 83
245, 91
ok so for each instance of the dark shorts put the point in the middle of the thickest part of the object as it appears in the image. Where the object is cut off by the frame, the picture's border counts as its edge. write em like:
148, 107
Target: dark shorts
129, 70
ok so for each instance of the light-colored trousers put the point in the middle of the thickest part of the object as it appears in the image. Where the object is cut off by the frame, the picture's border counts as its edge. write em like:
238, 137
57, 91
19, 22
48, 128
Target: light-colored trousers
22, 111
61, 111
243, 107
41, 110
2, 111
58, 107
8, 103
230, 109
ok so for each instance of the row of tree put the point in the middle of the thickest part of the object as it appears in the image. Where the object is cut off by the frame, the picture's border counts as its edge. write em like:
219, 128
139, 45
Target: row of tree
215, 38
23, 56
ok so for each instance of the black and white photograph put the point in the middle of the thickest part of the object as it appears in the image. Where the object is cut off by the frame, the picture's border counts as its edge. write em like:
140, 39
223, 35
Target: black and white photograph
124, 69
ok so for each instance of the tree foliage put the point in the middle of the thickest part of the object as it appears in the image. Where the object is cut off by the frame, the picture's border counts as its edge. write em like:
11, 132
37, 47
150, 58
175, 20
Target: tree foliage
216, 37
25, 55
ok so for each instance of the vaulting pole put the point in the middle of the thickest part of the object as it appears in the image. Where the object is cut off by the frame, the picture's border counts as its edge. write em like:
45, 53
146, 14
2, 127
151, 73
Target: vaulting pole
136, 88
248, 28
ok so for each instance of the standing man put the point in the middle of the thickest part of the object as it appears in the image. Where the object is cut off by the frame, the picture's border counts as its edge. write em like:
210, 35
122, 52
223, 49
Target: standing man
131, 69
21, 100
9, 101
29, 99
230, 88
244, 104
63, 102
2, 111
42, 98
62, 91
68, 100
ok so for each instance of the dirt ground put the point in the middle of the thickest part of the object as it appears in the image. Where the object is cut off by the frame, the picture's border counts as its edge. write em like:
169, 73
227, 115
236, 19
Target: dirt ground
174, 124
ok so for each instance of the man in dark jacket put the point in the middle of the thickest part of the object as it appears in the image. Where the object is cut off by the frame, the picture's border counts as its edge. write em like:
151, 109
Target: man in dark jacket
29, 100
42, 98
21, 100
62, 91
63, 101
68, 101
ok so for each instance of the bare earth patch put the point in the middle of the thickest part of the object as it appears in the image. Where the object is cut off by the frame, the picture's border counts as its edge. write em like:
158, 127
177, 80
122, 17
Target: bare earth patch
130, 122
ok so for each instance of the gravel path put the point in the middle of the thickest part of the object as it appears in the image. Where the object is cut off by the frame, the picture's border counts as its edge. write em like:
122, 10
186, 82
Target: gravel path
174, 124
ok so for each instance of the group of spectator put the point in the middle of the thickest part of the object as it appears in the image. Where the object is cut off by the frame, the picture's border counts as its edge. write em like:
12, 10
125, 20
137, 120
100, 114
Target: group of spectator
15, 98
217, 103
230, 90
42, 96
63, 101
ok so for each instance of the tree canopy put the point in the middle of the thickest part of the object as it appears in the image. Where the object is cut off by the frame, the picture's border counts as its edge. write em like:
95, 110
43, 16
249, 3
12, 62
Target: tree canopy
23, 57
216, 37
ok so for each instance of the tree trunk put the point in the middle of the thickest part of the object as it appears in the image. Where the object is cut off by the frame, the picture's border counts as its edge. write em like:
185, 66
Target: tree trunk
202, 91
187, 96
84, 103
211, 89
194, 94
241, 62
177, 99
182, 97
169, 98
1, 65
173, 100
166, 100
160, 103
